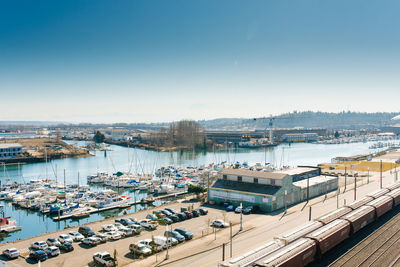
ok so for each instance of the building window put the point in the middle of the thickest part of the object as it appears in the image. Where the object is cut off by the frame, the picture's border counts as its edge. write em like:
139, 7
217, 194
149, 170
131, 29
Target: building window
239, 178
256, 180
224, 177
272, 182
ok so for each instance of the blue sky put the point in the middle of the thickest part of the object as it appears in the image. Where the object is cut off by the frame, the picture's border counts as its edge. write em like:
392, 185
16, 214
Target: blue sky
142, 61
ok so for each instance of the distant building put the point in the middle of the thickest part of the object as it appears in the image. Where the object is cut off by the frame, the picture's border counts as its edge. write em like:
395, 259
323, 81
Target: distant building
10, 151
300, 137
270, 190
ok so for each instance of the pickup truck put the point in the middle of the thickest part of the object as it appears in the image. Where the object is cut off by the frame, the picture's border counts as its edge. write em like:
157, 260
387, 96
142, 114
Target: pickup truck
104, 258
148, 224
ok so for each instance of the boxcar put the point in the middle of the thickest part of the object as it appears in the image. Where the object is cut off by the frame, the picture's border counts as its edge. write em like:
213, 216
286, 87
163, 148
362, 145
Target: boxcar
333, 215
381, 205
395, 194
299, 253
253, 255
360, 217
330, 235
294, 234
378, 193
361, 202
392, 187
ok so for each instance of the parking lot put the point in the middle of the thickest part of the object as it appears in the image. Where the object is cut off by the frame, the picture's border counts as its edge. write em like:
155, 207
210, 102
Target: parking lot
82, 254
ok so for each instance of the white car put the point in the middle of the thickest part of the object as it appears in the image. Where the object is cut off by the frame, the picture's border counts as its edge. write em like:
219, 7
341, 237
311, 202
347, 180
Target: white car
104, 258
76, 236
148, 224
109, 228
39, 245
148, 242
53, 242
136, 228
65, 238
124, 231
52, 251
91, 241
118, 225
219, 223
112, 235
11, 253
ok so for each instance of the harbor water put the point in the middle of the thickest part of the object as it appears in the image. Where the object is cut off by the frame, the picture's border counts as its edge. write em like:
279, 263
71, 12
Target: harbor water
143, 161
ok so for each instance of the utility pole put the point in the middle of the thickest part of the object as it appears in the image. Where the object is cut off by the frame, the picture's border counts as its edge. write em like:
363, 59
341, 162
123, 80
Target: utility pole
230, 223
241, 218
368, 176
167, 255
308, 188
208, 187
355, 186
285, 201
309, 213
223, 251
381, 174
337, 197
345, 178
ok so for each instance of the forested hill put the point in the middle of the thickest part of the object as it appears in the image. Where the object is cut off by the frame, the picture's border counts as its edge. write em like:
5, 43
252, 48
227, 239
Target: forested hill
307, 119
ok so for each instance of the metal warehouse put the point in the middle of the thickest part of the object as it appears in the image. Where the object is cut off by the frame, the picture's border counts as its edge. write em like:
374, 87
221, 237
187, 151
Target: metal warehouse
268, 190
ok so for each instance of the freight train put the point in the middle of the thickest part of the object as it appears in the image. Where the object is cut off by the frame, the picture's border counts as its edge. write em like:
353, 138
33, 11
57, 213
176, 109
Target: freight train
312, 240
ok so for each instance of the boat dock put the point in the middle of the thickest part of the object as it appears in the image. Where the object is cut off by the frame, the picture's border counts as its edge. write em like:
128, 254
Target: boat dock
127, 205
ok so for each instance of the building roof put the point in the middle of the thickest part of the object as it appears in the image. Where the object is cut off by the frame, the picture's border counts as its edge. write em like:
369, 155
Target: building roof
256, 174
314, 181
246, 187
10, 145
298, 170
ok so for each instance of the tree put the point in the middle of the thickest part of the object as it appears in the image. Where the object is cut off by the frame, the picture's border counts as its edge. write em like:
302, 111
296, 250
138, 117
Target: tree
99, 137
196, 189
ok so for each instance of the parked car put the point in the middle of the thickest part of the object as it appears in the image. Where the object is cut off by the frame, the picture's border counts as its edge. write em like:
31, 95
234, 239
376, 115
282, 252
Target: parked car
162, 240
171, 210
39, 245
125, 221
149, 243
166, 212
159, 214
139, 249
52, 251
196, 213
105, 259
109, 228
203, 211
86, 231
91, 241
11, 253
134, 220
182, 216
219, 224
230, 208
136, 228
67, 247
247, 210
239, 209
125, 232
102, 237
148, 224
189, 215
112, 236
151, 216
53, 242
188, 235
166, 220
38, 255
174, 218
65, 238
175, 235
118, 225
77, 237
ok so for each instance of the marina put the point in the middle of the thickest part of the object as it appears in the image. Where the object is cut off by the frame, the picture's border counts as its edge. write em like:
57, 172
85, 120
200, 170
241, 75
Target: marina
143, 162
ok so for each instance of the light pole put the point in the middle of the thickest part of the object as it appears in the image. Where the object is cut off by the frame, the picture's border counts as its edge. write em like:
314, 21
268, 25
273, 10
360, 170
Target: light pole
167, 255
241, 218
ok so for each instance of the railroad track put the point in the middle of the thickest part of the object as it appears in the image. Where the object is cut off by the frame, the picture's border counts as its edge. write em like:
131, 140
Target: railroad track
380, 248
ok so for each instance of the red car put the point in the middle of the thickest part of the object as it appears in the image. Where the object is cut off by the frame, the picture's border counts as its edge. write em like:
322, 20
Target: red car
188, 214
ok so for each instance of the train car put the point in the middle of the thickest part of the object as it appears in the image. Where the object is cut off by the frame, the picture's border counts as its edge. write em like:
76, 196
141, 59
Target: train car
395, 194
360, 218
392, 187
299, 253
359, 203
253, 255
333, 215
330, 235
378, 193
294, 234
382, 205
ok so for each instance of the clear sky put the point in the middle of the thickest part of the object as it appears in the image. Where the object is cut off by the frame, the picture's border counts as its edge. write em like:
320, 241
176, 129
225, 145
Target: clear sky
142, 61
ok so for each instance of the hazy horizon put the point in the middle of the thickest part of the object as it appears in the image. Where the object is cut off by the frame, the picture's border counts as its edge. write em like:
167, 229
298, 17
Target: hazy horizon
162, 61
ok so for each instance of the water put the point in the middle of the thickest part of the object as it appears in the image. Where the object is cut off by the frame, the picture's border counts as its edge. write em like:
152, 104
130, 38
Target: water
144, 161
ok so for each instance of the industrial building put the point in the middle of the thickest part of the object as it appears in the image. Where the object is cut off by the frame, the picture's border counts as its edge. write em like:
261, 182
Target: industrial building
10, 151
267, 190
300, 137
